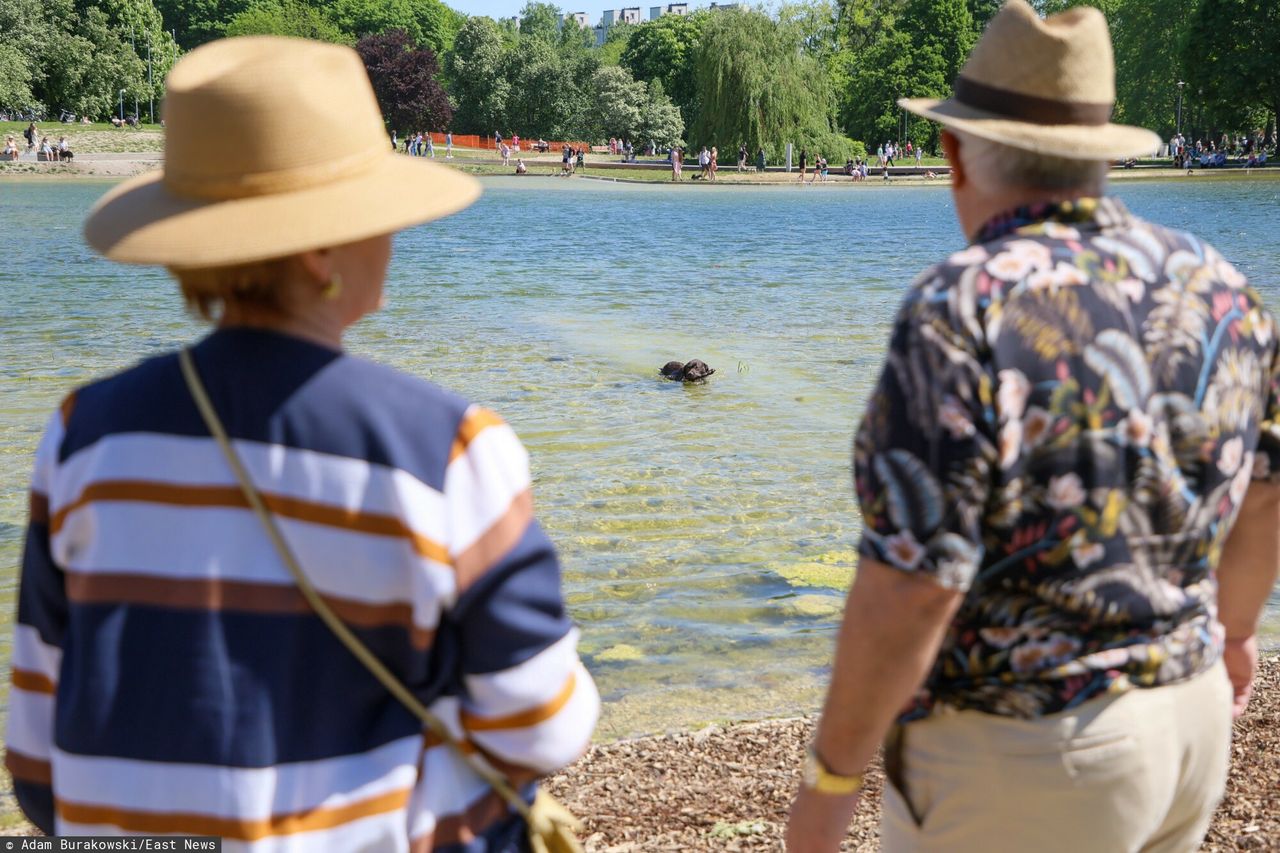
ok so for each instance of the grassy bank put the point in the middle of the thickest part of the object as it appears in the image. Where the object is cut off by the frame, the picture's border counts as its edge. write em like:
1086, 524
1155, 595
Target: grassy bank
94, 138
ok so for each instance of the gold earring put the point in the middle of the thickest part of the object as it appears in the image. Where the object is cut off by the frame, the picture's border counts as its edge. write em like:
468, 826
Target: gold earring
332, 289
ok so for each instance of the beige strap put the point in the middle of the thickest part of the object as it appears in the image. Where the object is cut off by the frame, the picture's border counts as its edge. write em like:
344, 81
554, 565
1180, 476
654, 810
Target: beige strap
482, 769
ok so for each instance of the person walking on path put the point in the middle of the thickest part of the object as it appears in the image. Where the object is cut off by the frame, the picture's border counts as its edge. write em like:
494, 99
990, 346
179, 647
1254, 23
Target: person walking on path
742, 157
677, 163
1069, 476
918, 156
804, 161
170, 672
712, 164
448, 145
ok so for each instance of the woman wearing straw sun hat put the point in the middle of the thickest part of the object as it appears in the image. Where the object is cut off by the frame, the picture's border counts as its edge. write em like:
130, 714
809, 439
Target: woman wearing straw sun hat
272, 592
1069, 495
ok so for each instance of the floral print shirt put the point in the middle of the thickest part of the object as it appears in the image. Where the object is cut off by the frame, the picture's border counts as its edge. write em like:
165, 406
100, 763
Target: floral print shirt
1069, 416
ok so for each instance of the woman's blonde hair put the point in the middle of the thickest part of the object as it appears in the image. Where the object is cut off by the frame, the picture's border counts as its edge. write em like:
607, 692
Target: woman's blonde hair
208, 291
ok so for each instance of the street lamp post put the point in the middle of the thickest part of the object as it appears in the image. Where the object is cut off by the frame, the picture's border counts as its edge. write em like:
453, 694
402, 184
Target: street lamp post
122, 105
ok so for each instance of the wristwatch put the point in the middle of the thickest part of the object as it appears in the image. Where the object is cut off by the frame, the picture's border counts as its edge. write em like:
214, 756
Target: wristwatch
818, 777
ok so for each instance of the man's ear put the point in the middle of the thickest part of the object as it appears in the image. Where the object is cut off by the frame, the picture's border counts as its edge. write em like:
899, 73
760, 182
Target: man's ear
951, 150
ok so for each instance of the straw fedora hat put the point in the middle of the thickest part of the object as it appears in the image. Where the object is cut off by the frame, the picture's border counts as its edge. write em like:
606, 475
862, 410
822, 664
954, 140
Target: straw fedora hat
1043, 85
273, 146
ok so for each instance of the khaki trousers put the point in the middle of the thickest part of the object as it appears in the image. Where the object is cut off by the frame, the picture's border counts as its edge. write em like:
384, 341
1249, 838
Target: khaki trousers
1138, 771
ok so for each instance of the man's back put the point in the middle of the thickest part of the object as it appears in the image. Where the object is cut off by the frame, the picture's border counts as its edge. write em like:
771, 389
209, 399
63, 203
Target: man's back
1095, 437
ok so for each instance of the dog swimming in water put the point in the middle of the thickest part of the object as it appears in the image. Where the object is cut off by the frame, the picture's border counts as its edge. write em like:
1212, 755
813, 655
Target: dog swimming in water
690, 371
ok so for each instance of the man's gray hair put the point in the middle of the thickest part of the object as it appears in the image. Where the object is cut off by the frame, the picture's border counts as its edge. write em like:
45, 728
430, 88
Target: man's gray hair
992, 164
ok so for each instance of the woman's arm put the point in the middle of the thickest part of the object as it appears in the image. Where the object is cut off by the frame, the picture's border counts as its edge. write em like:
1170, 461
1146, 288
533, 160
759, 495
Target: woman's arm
529, 702
37, 648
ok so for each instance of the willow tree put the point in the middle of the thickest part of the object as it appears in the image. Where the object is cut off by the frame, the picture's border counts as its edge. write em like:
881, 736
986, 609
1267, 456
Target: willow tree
757, 86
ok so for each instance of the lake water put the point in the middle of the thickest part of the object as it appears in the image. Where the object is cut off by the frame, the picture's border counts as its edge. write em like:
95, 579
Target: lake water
706, 531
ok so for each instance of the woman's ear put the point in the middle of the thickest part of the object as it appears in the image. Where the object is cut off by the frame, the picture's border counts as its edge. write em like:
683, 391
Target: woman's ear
317, 264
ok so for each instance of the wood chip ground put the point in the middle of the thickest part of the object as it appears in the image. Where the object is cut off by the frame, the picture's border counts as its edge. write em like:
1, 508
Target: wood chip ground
727, 788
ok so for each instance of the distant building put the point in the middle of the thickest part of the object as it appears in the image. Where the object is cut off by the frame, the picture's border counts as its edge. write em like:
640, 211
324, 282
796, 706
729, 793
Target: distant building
630, 15
724, 7
656, 12
579, 18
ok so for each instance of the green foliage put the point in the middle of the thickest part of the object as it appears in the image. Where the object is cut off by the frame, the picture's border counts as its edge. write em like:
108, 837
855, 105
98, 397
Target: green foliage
475, 70
549, 96
1230, 55
663, 50
286, 18
199, 21
618, 102
628, 109
77, 56
660, 119
541, 21
615, 43
916, 53
757, 86
15, 77
429, 23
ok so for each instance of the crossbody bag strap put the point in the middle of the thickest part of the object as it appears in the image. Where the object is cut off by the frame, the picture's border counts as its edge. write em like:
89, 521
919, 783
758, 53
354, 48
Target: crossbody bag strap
397, 689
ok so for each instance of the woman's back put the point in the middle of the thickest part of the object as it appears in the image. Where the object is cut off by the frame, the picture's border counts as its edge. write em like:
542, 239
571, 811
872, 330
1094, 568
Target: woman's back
197, 691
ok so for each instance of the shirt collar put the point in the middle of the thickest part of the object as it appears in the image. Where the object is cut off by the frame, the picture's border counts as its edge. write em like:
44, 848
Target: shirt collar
1103, 213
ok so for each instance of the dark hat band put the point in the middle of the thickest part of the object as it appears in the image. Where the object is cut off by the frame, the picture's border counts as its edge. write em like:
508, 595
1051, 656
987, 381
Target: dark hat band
1029, 108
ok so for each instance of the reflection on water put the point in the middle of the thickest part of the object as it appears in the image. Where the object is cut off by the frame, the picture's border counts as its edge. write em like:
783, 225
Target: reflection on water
706, 530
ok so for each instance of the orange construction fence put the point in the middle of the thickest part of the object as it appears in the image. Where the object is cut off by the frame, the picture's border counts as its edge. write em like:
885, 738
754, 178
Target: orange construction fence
474, 141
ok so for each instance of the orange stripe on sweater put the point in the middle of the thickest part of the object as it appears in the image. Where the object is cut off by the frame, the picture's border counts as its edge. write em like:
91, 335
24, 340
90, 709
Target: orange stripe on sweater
240, 829
523, 719
230, 496
475, 421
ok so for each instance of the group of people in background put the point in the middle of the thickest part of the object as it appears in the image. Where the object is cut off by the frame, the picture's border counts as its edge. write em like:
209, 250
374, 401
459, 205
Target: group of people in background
1250, 151
47, 150
420, 144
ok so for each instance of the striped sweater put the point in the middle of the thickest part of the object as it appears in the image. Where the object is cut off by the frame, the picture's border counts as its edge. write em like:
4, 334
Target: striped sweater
168, 677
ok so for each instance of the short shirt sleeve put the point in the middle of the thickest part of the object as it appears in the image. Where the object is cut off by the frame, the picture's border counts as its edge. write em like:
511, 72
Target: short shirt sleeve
924, 453
1266, 463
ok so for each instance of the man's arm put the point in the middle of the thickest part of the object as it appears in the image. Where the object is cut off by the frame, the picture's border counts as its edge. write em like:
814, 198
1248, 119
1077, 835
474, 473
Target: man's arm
893, 624
1246, 575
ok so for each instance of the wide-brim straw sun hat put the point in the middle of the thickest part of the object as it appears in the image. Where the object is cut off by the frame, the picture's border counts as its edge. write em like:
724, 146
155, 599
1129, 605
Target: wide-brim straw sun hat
273, 146
1043, 85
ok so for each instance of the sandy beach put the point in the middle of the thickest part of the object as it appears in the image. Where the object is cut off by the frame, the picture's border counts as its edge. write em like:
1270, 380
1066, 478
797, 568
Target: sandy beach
728, 787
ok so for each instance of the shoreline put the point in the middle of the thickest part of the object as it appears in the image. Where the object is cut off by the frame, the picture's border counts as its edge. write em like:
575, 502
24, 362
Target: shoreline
116, 166
728, 787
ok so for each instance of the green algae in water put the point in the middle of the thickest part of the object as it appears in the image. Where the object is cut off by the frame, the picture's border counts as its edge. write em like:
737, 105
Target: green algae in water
833, 570
620, 652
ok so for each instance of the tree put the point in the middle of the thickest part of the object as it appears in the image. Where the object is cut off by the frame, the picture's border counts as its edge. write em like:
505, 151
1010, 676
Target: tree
663, 50
918, 52
550, 94
541, 21
756, 86
660, 120
619, 101
198, 21
404, 81
476, 74
615, 43
1230, 53
286, 18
